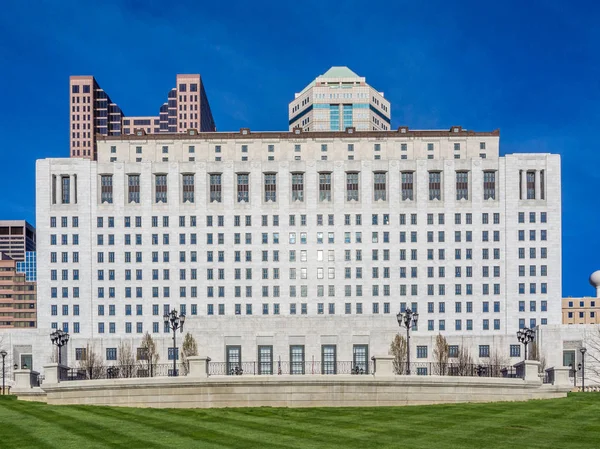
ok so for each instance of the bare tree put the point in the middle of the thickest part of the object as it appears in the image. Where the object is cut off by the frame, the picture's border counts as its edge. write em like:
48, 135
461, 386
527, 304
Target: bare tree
92, 363
7, 360
126, 360
464, 362
149, 353
592, 356
189, 348
535, 353
398, 350
497, 359
440, 355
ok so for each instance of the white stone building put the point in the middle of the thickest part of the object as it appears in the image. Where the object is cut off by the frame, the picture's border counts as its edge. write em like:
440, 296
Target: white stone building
302, 244
337, 100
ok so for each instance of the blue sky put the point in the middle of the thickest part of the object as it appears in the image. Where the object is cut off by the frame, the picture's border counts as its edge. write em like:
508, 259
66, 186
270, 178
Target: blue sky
530, 68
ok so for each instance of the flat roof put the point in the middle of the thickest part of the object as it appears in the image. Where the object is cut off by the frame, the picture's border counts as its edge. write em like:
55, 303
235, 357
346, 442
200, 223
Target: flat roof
245, 133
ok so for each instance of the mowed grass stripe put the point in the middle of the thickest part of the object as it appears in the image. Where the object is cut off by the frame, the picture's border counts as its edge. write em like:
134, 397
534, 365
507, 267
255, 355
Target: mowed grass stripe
84, 425
17, 434
571, 422
196, 428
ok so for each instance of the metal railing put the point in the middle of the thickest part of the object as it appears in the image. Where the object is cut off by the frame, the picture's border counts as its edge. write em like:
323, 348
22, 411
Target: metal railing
122, 371
457, 369
287, 368
35, 379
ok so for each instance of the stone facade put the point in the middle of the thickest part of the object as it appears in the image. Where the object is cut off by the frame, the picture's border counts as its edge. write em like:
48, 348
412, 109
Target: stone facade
476, 269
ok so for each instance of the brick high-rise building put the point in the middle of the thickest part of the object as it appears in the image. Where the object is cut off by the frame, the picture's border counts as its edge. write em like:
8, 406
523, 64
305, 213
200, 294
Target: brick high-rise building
93, 112
17, 297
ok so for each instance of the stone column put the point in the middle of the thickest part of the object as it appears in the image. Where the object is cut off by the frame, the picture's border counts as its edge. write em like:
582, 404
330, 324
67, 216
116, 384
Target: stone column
538, 191
384, 366
523, 175
198, 366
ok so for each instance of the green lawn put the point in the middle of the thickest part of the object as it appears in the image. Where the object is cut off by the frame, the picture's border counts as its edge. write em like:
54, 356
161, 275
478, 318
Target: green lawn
560, 423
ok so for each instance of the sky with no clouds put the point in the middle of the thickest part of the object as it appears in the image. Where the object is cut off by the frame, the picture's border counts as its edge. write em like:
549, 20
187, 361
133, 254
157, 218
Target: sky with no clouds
530, 68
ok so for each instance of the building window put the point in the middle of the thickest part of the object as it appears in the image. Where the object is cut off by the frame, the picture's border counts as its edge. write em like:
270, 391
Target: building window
360, 359
421, 352
133, 185
328, 359
531, 185
484, 351
215, 188
435, 185
324, 186
407, 186
297, 359
489, 185
106, 189
243, 188
297, 186
462, 185
234, 359
188, 188
270, 187
265, 360
351, 186
111, 353
161, 188
65, 189
379, 186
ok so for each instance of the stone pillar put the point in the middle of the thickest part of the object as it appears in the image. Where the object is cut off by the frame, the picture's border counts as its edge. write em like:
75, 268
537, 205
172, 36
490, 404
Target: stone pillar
51, 373
198, 366
530, 370
384, 365
561, 376
22, 379
538, 191
523, 184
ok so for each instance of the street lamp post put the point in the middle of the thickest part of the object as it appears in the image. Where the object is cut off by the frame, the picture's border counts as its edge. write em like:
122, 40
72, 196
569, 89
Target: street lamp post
582, 350
525, 336
174, 321
3, 354
408, 319
59, 338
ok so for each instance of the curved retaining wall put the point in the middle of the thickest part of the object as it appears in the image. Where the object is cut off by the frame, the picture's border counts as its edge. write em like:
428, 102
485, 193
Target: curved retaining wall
296, 391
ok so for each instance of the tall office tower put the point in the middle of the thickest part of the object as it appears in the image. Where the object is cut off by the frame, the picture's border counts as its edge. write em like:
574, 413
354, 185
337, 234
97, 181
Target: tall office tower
17, 297
300, 245
16, 238
337, 100
92, 113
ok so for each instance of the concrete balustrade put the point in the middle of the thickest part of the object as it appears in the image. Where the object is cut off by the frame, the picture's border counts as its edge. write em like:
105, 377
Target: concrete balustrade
383, 388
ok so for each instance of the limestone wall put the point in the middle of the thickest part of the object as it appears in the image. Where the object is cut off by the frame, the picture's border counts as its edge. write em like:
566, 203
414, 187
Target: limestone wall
296, 391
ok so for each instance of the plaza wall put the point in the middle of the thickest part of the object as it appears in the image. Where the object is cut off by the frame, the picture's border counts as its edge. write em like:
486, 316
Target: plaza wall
296, 391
